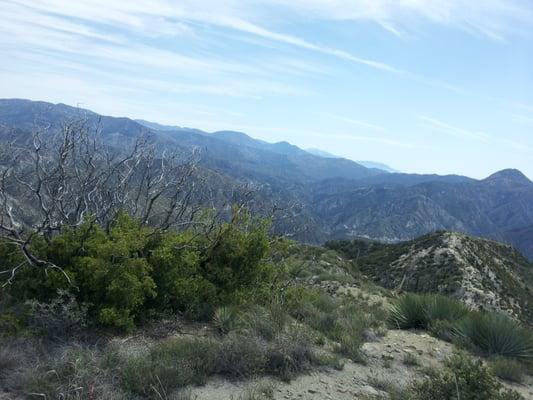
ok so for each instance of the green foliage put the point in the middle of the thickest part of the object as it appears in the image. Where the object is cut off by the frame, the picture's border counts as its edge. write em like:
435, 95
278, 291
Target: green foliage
169, 365
130, 271
60, 318
180, 362
10, 325
344, 321
412, 311
507, 369
490, 334
442, 308
225, 319
175, 259
409, 312
494, 334
463, 379
411, 359
234, 261
261, 391
76, 373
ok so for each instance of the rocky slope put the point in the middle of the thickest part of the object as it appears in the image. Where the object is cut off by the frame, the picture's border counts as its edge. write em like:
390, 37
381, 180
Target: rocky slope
482, 273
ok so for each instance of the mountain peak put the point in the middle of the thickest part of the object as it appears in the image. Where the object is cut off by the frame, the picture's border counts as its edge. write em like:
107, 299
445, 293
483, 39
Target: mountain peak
509, 175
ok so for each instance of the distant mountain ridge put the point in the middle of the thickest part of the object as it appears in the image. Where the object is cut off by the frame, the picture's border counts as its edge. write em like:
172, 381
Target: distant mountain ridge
377, 165
330, 197
368, 164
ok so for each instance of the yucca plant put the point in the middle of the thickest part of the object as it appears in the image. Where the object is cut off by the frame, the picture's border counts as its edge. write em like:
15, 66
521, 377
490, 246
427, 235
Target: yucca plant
494, 334
409, 311
442, 308
225, 319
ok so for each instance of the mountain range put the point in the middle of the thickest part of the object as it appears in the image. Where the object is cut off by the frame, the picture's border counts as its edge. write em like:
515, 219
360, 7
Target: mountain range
328, 197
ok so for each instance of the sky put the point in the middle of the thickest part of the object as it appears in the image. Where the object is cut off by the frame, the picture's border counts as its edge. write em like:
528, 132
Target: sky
425, 86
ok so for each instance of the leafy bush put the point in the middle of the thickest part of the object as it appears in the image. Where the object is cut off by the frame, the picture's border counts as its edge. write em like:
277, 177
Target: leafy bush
129, 271
494, 334
234, 260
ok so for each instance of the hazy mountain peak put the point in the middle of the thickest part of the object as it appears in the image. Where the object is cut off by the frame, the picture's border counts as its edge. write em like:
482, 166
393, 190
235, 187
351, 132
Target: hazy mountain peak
376, 165
321, 153
509, 175
367, 164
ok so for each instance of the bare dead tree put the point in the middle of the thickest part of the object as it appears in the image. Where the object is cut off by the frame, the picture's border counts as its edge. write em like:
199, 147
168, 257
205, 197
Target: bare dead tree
62, 180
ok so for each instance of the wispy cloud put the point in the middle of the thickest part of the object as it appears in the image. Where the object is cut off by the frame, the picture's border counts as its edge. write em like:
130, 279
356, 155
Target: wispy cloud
99, 28
522, 119
356, 122
493, 140
381, 140
445, 127
495, 19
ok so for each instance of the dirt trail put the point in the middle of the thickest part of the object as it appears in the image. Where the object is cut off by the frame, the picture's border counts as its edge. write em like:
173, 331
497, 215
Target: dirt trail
385, 365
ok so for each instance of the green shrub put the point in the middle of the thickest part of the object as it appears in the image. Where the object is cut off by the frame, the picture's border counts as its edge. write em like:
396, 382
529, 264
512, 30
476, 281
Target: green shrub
494, 334
106, 269
128, 272
174, 258
344, 321
444, 330
75, 373
411, 359
490, 334
261, 391
264, 322
60, 318
169, 365
290, 354
10, 325
226, 319
442, 308
507, 369
234, 260
349, 345
463, 379
241, 356
412, 311
409, 312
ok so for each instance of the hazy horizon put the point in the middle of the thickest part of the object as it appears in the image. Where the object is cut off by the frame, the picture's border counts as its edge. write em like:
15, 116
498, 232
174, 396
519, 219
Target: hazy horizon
440, 86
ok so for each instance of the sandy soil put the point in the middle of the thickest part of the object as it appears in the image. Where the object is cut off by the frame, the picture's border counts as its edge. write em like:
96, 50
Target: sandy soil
355, 381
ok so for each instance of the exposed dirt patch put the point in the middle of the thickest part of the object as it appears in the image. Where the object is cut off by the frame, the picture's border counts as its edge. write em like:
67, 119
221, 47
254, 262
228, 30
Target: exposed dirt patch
386, 364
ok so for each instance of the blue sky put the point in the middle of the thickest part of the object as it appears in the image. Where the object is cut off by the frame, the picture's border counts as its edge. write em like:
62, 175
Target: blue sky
442, 86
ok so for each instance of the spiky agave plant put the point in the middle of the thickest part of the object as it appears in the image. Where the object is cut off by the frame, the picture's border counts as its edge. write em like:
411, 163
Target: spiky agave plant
442, 308
408, 311
494, 334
